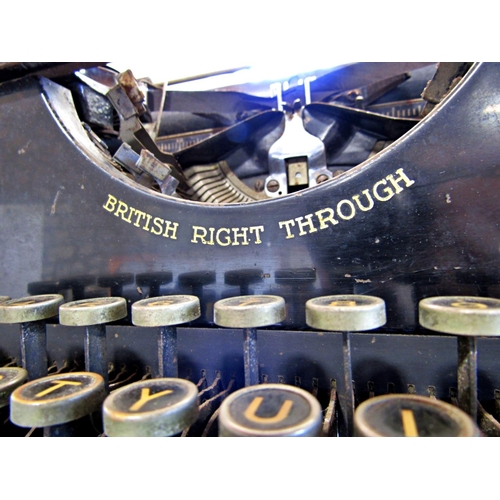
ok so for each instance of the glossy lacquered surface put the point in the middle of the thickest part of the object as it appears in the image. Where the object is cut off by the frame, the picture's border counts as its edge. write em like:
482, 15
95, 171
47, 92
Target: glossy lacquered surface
417, 220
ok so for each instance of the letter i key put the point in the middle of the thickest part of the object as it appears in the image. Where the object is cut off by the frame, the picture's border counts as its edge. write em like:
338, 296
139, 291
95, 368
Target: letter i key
346, 313
250, 312
93, 314
31, 312
165, 313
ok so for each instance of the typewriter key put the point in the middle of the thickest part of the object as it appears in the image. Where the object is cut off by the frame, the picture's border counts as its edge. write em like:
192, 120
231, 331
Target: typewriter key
93, 314
468, 318
31, 312
151, 408
166, 312
56, 400
250, 312
407, 415
11, 378
271, 410
346, 313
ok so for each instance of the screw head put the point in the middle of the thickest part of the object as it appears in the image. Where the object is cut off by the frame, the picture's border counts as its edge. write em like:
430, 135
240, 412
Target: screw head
321, 178
259, 185
273, 186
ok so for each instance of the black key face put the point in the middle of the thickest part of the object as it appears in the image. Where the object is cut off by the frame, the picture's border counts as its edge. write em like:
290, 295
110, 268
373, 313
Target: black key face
57, 399
51, 389
155, 395
271, 410
412, 416
157, 407
10, 379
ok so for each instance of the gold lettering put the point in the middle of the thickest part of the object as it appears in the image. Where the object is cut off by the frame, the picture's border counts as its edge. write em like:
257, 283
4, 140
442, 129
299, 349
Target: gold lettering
250, 412
309, 224
1, 377
351, 206
110, 204
240, 233
57, 385
121, 210
146, 226
257, 230
227, 240
157, 222
324, 219
402, 177
470, 305
409, 424
145, 397
140, 215
172, 229
196, 234
287, 224
388, 190
368, 197
211, 230
342, 303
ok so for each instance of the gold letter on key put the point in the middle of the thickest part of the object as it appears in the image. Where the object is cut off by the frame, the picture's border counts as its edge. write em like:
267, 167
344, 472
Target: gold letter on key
409, 424
57, 385
254, 406
145, 397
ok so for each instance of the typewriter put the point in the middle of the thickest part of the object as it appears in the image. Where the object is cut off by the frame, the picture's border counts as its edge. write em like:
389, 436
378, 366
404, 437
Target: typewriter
369, 180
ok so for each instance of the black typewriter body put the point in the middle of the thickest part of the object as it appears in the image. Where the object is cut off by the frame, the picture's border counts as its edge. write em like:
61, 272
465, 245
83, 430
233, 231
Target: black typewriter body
419, 219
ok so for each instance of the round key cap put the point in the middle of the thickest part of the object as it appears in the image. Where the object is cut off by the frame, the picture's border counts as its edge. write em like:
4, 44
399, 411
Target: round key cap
11, 378
151, 408
166, 312
93, 314
407, 415
271, 410
249, 311
56, 399
87, 312
31, 312
468, 318
345, 313
31, 308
